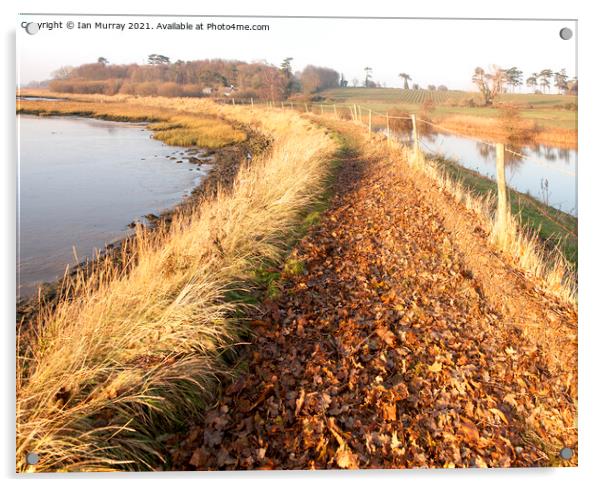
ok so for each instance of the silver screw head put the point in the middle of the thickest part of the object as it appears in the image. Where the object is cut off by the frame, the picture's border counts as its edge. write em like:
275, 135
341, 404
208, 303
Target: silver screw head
565, 33
566, 453
32, 458
32, 28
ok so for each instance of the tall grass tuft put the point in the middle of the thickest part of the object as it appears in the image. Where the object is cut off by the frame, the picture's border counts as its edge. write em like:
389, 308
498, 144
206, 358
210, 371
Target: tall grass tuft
134, 349
549, 267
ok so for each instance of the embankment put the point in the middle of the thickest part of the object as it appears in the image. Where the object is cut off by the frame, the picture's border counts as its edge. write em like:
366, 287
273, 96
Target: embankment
140, 347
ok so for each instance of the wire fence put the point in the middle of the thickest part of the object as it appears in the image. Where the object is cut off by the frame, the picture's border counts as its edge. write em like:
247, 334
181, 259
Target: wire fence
385, 124
356, 112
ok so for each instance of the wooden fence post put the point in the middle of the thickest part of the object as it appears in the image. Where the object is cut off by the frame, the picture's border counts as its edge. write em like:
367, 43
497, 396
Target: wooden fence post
370, 121
414, 134
335, 111
352, 114
233, 102
388, 130
252, 106
306, 110
502, 197
321, 109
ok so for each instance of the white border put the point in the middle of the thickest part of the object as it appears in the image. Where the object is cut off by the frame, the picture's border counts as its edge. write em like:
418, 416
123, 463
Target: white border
590, 178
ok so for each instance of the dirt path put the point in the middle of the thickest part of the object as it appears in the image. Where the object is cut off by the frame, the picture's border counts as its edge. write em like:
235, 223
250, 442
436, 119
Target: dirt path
385, 352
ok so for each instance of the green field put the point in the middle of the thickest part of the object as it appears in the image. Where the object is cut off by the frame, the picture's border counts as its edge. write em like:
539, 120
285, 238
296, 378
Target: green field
546, 110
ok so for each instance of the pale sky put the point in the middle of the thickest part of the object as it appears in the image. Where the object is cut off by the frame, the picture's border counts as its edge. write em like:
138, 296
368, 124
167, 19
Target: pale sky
431, 51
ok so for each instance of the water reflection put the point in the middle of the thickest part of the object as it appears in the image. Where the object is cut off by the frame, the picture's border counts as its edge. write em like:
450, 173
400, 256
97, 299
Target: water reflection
544, 172
81, 182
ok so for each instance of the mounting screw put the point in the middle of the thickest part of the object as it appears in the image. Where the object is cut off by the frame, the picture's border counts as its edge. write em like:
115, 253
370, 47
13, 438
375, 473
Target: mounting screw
32, 28
32, 458
566, 453
566, 33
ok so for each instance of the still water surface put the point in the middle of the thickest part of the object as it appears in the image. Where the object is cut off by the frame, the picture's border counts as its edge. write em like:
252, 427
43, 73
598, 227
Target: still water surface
81, 182
546, 173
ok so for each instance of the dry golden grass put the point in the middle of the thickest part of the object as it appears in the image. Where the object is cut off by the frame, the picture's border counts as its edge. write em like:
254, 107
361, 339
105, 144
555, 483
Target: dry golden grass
171, 127
133, 350
548, 267
492, 129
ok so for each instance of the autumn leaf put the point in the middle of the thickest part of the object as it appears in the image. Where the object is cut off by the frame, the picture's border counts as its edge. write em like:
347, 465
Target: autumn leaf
299, 402
389, 412
199, 458
510, 351
469, 431
436, 367
499, 414
395, 443
386, 336
346, 459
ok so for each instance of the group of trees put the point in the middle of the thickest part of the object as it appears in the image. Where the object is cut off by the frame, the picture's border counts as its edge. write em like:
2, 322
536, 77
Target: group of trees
498, 80
542, 79
261, 80
314, 78
546, 77
215, 77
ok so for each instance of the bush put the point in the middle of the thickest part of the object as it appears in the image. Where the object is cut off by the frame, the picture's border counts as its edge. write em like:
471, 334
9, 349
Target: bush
516, 129
469, 102
402, 124
148, 88
169, 89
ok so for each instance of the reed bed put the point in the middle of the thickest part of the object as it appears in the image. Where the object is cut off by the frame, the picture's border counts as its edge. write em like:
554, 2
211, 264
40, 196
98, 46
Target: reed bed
133, 350
170, 125
496, 130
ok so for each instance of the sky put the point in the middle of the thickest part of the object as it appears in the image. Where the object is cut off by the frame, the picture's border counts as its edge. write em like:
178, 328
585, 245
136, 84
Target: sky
431, 51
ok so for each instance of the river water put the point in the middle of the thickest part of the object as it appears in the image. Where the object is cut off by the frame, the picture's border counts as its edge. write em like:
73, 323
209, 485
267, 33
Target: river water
81, 182
544, 172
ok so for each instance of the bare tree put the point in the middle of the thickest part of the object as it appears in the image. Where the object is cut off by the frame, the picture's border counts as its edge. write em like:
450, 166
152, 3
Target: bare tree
63, 72
368, 79
405, 77
489, 83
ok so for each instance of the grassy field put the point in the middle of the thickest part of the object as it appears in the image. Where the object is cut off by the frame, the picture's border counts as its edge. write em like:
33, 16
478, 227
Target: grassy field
553, 111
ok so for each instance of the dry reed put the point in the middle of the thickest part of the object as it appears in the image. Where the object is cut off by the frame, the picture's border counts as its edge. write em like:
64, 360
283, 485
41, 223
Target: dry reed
104, 372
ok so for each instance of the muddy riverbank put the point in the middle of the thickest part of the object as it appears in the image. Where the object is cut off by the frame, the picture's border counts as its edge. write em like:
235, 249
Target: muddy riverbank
219, 168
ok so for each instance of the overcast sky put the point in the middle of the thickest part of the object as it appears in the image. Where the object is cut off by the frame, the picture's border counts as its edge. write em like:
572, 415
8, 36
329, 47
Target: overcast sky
431, 51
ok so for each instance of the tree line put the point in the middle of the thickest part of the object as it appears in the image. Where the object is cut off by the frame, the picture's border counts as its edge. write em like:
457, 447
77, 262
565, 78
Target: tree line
499, 80
210, 77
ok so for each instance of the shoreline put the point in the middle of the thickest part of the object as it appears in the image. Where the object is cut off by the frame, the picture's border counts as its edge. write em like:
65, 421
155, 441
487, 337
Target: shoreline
554, 137
224, 167
554, 228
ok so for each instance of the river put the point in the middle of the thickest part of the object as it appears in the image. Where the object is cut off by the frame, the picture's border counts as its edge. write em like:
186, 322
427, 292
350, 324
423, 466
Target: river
544, 172
81, 182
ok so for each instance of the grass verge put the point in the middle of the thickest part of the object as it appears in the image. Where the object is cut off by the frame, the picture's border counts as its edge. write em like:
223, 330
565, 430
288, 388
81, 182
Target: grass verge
555, 229
131, 351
